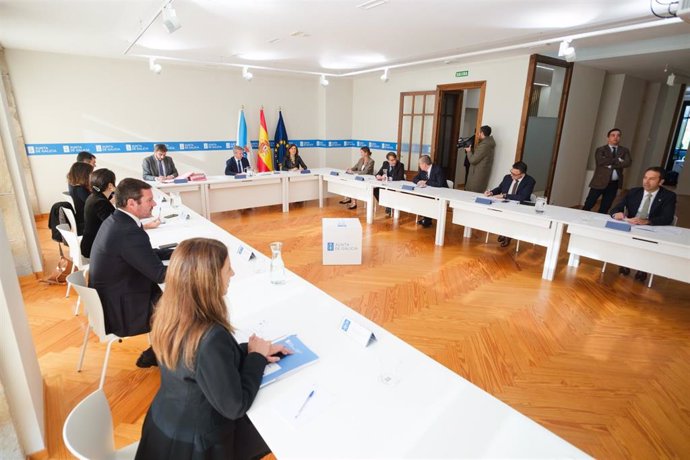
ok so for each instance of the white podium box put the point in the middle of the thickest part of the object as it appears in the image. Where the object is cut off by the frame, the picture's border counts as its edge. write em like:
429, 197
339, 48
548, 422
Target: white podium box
342, 241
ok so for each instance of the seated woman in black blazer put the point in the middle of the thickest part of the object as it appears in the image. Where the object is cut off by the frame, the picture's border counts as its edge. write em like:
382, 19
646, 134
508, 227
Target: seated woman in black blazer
208, 380
293, 162
391, 169
78, 186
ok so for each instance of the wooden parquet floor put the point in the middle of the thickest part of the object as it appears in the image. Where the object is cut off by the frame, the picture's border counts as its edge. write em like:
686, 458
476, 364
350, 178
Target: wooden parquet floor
600, 360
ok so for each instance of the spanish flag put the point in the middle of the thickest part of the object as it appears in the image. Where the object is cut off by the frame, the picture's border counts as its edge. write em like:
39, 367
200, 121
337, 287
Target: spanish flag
265, 159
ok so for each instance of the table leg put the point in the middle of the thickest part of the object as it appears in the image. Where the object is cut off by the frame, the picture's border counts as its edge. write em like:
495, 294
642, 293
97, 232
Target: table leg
573, 260
205, 201
286, 194
370, 208
441, 222
320, 191
396, 214
467, 233
552, 250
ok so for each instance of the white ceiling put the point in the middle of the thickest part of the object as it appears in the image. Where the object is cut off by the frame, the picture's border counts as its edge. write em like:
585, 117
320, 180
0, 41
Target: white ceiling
341, 38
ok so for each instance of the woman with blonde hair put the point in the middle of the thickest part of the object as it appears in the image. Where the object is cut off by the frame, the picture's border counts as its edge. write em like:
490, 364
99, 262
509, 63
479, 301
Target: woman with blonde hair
208, 380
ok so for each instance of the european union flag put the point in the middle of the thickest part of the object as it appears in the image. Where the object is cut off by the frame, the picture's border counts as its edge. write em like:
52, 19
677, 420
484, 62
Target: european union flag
281, 141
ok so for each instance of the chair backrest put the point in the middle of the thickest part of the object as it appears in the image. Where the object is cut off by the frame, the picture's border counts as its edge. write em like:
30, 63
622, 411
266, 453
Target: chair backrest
533, 198
675, 220
73, 243
88, 430
92, 304
450, 183
70, 217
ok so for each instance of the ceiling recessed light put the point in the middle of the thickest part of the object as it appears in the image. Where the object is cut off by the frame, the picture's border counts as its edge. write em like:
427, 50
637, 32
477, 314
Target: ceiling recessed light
297, 33
371, 4
274, 40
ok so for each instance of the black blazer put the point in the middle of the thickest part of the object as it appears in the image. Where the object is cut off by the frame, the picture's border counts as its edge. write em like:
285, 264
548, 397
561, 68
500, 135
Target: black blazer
437, 179
661, 212
79, 196
197, 412
231, 166
397, 172
150, 167
288, 163
125, 271
96, 210
524, 189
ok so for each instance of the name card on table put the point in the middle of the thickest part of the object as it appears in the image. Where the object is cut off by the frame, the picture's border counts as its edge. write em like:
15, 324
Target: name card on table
408, 187
305, 171
359, 178
622, 226
240, 176
357, 332
482, 200
181, 181
245, 253
335, 173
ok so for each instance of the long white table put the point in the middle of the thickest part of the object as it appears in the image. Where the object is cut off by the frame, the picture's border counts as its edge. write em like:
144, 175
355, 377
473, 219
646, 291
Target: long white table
663, 251
358, 187
387, 400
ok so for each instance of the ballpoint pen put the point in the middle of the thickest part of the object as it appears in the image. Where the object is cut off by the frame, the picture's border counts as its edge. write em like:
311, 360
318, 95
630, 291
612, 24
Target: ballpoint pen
304, 404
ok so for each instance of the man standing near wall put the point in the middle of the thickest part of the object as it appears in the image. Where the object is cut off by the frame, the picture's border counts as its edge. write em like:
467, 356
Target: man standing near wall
610, 161
481, 158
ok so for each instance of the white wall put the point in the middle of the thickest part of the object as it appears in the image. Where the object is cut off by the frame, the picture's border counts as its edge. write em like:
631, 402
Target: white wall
606, 116
376, 104
576, 138
642, 142
73, 99
19, 370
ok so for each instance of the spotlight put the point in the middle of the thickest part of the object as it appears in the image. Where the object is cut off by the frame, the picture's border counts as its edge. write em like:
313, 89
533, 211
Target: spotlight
384, 78
246, 74
170, 20
323, 81
567, 51
154, 67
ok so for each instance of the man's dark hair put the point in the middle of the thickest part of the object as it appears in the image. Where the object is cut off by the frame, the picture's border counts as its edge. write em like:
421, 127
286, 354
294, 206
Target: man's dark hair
100, 179
520, 165
426, 159
85, 157
661, 171
390, 155
486, 130
129, 189
613, 130
160, 147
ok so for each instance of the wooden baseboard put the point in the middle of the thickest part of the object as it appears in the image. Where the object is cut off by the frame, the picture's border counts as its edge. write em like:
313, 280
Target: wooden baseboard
40, 455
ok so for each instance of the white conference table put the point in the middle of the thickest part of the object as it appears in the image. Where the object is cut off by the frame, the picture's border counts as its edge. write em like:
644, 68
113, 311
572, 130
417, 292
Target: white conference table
387, 400
359, 187
659, 250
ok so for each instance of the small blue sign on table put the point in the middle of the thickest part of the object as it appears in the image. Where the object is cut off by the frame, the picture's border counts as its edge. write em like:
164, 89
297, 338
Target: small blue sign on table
359, 178
408, 187
335, 173
622, 226
240, 176
305, 171
482, 200
181, 181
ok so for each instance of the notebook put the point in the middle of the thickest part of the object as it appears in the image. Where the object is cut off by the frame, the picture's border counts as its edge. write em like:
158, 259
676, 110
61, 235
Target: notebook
302, 356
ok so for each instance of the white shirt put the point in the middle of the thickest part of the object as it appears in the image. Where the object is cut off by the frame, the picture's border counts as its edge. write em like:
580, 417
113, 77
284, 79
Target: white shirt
644, 197
428, 173
136, 219
614, 175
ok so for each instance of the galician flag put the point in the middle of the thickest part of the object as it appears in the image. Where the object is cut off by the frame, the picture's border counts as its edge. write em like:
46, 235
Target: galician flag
242, 138
265, 159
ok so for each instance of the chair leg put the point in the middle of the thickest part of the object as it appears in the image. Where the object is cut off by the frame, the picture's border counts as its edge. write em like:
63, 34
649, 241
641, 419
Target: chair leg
517, 246
105, 364
69, 285
76, 308
486, 241
148, 336
603, 268
651, 277
83, 348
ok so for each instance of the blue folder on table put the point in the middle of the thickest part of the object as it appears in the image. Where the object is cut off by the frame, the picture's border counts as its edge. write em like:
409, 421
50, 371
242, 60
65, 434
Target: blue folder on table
301, 356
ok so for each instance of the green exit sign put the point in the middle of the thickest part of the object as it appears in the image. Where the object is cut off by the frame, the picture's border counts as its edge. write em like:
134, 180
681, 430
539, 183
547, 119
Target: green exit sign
462, 73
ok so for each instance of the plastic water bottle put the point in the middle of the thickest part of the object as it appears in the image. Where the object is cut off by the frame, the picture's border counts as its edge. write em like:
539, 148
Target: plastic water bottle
277, 264
540, 205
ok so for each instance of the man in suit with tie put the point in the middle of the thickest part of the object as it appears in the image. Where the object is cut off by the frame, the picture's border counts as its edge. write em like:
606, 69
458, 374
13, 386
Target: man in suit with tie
238, 164
124, 269
610, 160
391, 170
429, 176
650, 204
516, 186
159, 166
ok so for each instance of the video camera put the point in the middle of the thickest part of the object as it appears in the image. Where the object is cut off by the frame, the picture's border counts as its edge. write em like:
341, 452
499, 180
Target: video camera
464, 142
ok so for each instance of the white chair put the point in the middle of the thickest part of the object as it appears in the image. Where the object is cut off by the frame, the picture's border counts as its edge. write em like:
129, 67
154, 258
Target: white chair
88, 431
71, 219
78, 262
96, 320
450, 183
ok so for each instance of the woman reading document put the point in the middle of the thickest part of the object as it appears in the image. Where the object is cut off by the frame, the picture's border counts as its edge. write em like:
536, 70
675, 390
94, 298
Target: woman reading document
208, 380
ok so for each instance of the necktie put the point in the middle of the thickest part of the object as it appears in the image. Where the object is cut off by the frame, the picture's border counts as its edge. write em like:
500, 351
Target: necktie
515, 186
615, 151
643, 213
239, 166
161, 168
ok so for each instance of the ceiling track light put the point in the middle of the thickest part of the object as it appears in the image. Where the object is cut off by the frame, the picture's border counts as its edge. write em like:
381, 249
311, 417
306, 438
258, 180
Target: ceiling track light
323, 81
566, 50
384, 78
170, 19
371, 4
155, 67
246, 74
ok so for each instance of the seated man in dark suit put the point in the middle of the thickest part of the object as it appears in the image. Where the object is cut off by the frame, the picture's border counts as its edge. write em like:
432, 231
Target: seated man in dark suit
516, 186
650, 204
238, 164
429, 176
159, 166
391, 170
125, 270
